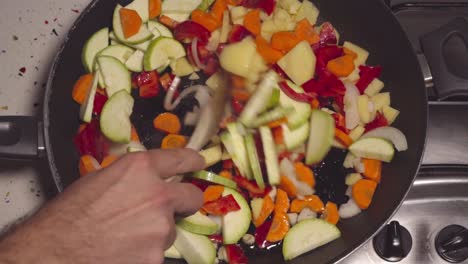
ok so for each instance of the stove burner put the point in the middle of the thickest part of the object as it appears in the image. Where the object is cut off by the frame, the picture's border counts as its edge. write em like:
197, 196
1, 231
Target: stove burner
452, 243
393, 243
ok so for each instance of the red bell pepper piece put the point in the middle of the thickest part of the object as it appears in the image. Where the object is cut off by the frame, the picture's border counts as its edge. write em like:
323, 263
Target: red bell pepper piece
228, 164
267, 5
238, 33
90, 141
250, 186
202, 185
99, 101
379, 121
211, 65
189, 30
300, 97
221, 206
327, 35
149, 84
367, 75
216, 238
237, 106
235, 254
261, 233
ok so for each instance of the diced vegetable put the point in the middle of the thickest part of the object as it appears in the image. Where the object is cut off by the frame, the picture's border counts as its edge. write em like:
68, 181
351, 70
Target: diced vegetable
141, 36
381, 100
297, 137
214, 178
238, 149
379, 121
356, 133
349, 209
267, 207
81, 88
154, 8
304, 174
212, 155
172, 252
299, 63
235, 254
352, 178
308, 11
374, 87
212, 193
367, 75
131, 22
302, 110
363, 108
331, 213
343, 138
280, 224
362, 54
161, 51
363, 192
312, 202
372, 169
86, 109
189, 30
221, 206
390, 114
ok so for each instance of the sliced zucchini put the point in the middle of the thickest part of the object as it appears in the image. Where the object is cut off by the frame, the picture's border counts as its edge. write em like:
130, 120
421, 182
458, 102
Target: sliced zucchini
115, 117
308, 235
302, 110
181, 67
214, 178
97, 42
236, 224
373, 148
257, 103
272, 115
172, 252
180, 6
119, 51
135, 62
271, 156
256, 205
161, 29
115, 74
198, 223
196, 249
274, 99
253, 160
322, 133
240, 152
86, 109
297, 137
143, 34
142, 8
211, 155
161, 51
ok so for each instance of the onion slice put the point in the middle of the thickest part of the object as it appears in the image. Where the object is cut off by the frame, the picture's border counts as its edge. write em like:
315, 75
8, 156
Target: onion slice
349, 209
350, 106
196, 58
168, 105
391, 134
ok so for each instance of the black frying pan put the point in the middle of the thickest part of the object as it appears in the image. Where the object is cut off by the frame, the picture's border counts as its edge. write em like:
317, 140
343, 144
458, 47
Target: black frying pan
367, 22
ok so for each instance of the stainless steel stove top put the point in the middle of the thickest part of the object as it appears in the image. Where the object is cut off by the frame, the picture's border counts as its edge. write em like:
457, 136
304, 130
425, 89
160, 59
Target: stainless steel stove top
430, 227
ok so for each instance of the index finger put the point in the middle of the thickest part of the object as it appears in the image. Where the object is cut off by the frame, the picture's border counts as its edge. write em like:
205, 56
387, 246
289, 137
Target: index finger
187, 198
171, 162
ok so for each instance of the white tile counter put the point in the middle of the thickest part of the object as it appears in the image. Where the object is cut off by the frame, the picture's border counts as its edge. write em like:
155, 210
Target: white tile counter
30, 33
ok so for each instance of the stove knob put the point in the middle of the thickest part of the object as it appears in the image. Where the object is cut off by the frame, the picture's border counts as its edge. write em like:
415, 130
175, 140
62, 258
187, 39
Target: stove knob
452, 243
393, 243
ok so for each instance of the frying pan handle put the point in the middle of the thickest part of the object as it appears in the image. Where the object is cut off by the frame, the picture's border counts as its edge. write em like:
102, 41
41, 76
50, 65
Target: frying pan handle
20, 137
450, 76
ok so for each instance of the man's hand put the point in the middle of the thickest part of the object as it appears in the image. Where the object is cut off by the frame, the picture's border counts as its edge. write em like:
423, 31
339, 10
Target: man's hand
122, 214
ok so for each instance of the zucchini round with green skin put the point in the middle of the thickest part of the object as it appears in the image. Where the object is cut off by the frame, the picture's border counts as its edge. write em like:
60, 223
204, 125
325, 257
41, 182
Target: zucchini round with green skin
161, 51
308, 235
271, 156
373, 148
321, 136
96, 43
295, 138
143, 34
115, 74
254, 161
214, 178
236, 224
163, 30
172, 252
142, 8
115, 117
196, 249
302, 110
135, 62
118, 51
198, 223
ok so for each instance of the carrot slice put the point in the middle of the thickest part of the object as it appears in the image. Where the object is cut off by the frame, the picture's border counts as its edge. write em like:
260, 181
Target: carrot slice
331, 213
134, 136
350, 53
278, 136
269, 54
304, 174
363, 192
82, 87
237, 82
278, 122
252, 22
288, 186
344, 138
154, 8
372, 169
279, 228
212, 193
167, 122
341, 66
205, 19
217, 10
233, 2
168, 22
305, 31
282, 202
173, 141
284, 41
267, 209
108, 160
315, 103
131, 22
240, 95
312, 202
88, 164
226, 174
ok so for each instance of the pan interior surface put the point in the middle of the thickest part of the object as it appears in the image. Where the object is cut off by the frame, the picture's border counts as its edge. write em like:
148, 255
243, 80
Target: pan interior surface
367, 23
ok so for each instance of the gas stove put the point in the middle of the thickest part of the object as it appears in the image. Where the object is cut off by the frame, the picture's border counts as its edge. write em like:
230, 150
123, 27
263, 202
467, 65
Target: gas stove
431, 225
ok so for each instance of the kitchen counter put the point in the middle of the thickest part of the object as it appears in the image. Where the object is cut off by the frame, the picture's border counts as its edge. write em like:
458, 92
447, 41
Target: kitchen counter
30, 34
